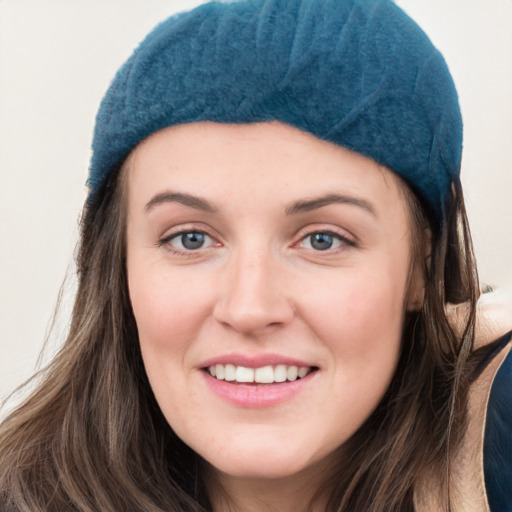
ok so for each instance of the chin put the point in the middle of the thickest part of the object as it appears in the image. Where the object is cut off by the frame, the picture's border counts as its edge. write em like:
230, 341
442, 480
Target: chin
266, 461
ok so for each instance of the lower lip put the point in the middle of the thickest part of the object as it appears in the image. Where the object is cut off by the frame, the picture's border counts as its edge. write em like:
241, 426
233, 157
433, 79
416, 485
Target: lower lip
256, 396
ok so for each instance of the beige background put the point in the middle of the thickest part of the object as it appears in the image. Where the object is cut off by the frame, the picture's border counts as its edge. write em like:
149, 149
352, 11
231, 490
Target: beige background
56, 60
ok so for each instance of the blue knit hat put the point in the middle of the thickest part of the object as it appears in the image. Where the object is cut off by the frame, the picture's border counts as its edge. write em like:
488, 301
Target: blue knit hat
359, 73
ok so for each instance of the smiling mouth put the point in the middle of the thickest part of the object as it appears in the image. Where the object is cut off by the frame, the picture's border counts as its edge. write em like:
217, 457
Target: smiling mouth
264, 375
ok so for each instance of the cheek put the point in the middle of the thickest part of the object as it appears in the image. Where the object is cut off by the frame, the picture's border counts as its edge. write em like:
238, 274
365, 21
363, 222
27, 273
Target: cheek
358, 306
167, 310
361, 325
359, 317
169, 314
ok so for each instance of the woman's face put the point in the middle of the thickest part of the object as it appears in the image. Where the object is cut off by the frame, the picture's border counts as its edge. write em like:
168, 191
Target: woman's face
261, 252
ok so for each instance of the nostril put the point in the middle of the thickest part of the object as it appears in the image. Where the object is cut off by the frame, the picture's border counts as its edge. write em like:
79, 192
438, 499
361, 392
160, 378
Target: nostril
247, 320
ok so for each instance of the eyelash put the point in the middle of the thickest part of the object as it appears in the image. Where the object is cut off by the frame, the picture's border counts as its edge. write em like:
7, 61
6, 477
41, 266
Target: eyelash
343, 240
166, 241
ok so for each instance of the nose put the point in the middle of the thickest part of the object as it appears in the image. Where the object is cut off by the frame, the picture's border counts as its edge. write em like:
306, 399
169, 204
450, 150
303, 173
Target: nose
253, 295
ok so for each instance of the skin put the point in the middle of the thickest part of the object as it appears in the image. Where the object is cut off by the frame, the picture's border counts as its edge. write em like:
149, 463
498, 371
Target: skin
258, 286
494, 316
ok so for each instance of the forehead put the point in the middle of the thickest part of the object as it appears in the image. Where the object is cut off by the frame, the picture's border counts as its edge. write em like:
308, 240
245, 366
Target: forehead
260, 162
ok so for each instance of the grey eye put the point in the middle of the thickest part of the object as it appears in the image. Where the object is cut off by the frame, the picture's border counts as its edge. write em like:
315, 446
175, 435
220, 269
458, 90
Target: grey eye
321, 241
190, 241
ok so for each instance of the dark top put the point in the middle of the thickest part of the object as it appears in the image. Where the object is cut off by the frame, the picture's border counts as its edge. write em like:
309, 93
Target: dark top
498, 437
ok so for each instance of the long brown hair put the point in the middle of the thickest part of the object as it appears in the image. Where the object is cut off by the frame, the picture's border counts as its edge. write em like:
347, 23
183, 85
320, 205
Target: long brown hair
421, 420
91, 436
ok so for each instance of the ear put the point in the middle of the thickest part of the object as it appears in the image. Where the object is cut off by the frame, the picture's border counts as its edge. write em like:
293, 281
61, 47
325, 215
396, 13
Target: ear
419, 272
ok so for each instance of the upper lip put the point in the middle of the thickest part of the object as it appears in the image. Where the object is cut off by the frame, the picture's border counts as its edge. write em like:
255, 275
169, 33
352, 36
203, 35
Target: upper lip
255, 361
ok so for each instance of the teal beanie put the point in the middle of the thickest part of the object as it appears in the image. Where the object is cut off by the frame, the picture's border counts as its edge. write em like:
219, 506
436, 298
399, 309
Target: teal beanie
358, 73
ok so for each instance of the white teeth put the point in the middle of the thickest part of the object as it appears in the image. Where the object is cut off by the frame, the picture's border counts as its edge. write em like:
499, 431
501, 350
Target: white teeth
280, 373
263, 375
244, 374
230, 372
292, 373
219, 371
303, 372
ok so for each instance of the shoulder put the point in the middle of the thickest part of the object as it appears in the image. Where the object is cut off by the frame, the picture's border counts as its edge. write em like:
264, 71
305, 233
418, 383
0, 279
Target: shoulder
482, 466
494, 316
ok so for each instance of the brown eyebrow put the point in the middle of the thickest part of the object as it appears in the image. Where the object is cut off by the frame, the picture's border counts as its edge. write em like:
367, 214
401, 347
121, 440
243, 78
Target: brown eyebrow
303, 205
185, 199
307, 205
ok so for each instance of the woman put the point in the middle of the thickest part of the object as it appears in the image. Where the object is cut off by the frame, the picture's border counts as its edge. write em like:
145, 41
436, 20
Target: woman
274, 230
